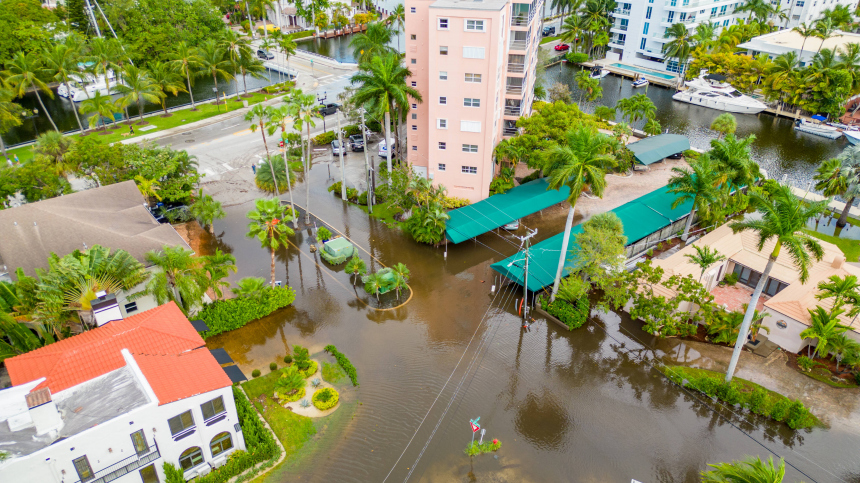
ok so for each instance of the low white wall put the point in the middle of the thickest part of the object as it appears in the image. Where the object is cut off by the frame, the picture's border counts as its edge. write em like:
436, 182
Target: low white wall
787, 338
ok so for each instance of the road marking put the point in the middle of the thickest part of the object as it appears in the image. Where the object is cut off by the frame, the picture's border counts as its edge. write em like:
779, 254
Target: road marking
229, 168
325, 76
242, 133
232, 125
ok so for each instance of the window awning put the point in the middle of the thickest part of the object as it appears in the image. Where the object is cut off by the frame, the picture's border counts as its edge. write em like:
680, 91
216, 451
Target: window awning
655, 148
221, 356
235, 374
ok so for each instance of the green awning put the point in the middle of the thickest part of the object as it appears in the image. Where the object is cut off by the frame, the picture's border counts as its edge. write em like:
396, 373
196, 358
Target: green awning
661, 200
542, 264
499, 210
339, 247
655, 148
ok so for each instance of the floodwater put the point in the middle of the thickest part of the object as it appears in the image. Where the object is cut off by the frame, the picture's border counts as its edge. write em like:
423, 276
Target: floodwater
567, 406
338, 47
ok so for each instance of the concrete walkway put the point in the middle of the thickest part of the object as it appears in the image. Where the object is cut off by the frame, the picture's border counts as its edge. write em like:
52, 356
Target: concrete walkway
834, 205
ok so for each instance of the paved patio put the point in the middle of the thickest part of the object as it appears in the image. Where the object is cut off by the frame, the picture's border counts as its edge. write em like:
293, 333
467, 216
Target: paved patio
734, 297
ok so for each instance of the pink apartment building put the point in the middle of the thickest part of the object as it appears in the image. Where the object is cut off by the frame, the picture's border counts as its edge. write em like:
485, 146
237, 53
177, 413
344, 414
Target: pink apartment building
474, 63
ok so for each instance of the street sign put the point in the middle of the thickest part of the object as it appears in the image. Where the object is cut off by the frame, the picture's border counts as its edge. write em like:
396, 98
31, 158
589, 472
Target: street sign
473, 423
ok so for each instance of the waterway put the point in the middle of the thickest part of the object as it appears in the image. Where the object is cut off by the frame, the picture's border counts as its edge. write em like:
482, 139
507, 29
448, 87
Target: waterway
567, 406
338, 47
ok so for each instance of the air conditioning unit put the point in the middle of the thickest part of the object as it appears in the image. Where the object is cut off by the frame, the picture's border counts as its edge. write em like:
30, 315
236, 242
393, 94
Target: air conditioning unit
204, 471
218, 462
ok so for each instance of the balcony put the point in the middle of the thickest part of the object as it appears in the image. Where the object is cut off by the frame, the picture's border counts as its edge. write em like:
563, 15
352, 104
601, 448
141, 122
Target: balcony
513, 111
520, 21
671, 20
619, 43
513, 89
125, 466
619, 11
509, 131
516, 68
619, 26
519, 44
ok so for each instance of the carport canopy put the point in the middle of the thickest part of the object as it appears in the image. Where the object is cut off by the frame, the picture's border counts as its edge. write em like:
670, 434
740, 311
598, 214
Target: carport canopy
655, 148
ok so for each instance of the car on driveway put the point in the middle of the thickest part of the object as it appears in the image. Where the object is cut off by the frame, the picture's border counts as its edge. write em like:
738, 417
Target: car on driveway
327, 109
356, 142
547, 31
562, 47
265, 54
336, 148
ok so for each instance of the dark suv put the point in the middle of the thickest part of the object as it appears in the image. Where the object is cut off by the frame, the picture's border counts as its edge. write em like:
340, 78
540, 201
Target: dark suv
327, 109
265, 55
547, 31
356, 142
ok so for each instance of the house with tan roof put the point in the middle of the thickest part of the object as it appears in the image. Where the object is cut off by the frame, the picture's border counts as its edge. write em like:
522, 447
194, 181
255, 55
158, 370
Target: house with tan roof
785, 299
116, 402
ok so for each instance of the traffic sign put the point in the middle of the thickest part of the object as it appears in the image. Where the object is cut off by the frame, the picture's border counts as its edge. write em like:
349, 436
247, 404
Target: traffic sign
473, 423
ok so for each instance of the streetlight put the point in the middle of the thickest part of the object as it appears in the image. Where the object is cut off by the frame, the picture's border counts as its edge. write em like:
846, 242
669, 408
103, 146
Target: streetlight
321, 100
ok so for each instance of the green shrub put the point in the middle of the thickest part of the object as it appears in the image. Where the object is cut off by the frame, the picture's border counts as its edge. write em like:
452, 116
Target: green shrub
273, 367
301, 357
798, 416
332, 372
325, 138
533, 176
172, 474
310, 371
374, 126
255, 373
731, 279
323, 234
226, 315
362, 198
576, 57
500, 186
573, 316
351, 130
334, 188
806, 364
425, 226
301, 35
757, 401
779, 411
352, 194
344, 363
288, 359
729, 393
691, 155
325, 398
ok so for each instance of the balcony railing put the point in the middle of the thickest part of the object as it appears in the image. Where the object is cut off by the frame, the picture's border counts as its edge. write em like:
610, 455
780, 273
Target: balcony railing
513, 111
125, 466
519, 44
509, 131
619, 27
517, 68
617, 42
619, 11
509, 89
520, 21
687, 20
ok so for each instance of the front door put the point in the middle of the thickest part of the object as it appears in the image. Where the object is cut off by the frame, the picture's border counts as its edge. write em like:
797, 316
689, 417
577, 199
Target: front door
149, 475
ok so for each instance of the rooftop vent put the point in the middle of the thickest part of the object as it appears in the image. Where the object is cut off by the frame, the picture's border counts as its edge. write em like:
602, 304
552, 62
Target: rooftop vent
105, 308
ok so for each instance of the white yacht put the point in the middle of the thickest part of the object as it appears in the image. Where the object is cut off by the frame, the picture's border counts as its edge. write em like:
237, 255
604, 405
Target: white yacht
817, 128
85, 86
710, 90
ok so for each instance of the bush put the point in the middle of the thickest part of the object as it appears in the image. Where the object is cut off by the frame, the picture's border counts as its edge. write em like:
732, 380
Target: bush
325, 138
226, 315
731, 279
806, 364
323, 234
351, 130
573, 316
576, 57
288, 359
425, 227
301, 357
691, 155
310, 371
273, 367
344, 363
173, 474
535, 175
452, 202
325, 398
362, 198
335, 188
798, 416
352, 194
757, 401
729, 393
290, 382
255, 373
779, 411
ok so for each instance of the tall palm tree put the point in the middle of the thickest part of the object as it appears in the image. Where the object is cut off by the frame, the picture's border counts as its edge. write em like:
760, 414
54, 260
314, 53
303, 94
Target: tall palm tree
705, 257
26, 71
704, 36
235, 46
757, 8
572, 29
138, 87
824, 326
699, 185
580, 161
100, 105
824, 29
680, 47
841, 177
10, 114
637, 107
355, 266
186, 59
179, 277
382, 84
212, 60
734, 156
843, 290
279, 118
397, 19
269, 225
303, 109
783, 217
218, 267
841, 346
206, 210
257, 116
849, 60
165, 79
104, 53
781, 71
250, 65
288, 47
60, 63
371, 43
805, 31
751, 470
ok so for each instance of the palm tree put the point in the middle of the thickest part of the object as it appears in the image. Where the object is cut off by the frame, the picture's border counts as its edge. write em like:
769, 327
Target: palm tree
699, 186
212, 62
825, 327
841, 346
757, 8
60, 62
235, 45
704, 36
573, 28
148, 187
824, 29
355, 266
268, 224
10, 114
257, 116
382, 84
206, 210
250, 287
180, 277
218, 267
250, 65
681, 46
104, 54
397, 19
805, 31
843, 290
303, 108
637, 107
372, 284
579, 161
54, 145
186, 59
279, 117
288, 48
751, 470
25, 72
371, 43
402, 274
735, 157
704, 258
138, 87
724, 124
102, 106
783, 217
781, 71
841, 177
165, 80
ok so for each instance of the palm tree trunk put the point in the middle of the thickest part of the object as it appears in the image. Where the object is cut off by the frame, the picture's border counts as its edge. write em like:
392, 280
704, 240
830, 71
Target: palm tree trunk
273, 267
689, 223
263, 132
274, 179
748, 316
39, 98
74, 108
139, 108
188, 80
164, 107
387, 119
236, 79
245, 81
287, 170
843, 218
562, 258
308, 178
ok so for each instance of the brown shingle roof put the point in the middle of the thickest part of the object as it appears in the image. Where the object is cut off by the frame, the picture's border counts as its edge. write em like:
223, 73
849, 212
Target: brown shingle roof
112, 216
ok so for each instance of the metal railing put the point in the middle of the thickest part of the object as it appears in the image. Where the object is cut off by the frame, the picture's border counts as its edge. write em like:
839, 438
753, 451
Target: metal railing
687, 20
519, 44
620, 11
619, 27
125, 466
509, 89
520, 21
617, 42
513, 111
509, 131
517, 68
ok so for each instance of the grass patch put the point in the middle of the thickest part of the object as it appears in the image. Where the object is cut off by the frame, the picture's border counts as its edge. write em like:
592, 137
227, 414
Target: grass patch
384, 213
850, 248
824, 376
254, 388
547, 40
290, 428
332, 373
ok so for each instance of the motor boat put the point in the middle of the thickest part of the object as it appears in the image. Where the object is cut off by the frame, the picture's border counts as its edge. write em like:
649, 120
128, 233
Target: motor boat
641, 82
853, 137
85, 86
711, 91
598, 73
817, 128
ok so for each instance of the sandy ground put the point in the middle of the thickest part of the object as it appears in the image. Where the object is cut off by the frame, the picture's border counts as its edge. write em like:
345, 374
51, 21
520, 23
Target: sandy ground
311, 411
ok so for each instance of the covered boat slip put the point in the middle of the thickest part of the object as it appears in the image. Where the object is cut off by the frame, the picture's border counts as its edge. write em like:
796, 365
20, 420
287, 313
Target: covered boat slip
499, 210
657, 148
646, 220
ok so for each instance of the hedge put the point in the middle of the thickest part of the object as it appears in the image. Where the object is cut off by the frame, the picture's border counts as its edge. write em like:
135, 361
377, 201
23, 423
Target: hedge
573, 316
344, 363
576, 57
325, 138
226, 315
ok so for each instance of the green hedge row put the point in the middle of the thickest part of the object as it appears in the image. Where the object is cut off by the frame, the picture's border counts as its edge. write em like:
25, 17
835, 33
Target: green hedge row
573, 316
226, 315
344, 363
576, 57
326, 137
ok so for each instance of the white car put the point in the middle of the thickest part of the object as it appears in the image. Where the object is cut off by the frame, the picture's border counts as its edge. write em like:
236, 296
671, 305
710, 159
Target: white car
383, 148
512, 226
336, 148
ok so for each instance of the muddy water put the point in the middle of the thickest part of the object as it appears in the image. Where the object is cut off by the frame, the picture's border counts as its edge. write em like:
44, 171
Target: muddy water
581, 406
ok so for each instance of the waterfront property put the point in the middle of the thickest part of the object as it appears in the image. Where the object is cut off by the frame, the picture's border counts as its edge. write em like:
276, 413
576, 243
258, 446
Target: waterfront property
785, 41
785, 299
474, 65
115, 403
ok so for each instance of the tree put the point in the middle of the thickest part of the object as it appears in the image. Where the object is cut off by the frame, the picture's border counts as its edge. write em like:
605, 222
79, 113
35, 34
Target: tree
589, 87
397, 19
212, 61
288, 47
371, 43
373, 284
578, 162
250, 288
698, 185
138, 87
25, 72
206, 210
54, 146
60, 62
187, 60
724, 124
572, 29
164, 80
37, 181
824, 327
10, 114
824, 29
290, 381
681, 46
180, 278
104, 53
735, 157
843, 290
257, 116
100, 105
599, 248
843, 347
280, 118
704, 257
561, 92
637, 107
751, 470
250, 65
234, 45
704, 36
218, 267
402, 274
783, 217
303, 109
355, 267
268, 224
148, 188
841, 177
805, 31
781, 73
604, 113
652, 127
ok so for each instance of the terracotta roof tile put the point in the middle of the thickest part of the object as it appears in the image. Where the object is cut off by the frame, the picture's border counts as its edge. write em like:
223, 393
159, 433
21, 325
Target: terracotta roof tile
178, 376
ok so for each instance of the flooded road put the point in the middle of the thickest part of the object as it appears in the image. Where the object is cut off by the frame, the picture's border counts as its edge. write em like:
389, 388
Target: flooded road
567, 406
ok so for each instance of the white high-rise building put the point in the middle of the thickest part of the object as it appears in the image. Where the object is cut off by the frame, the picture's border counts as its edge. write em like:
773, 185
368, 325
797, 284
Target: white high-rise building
807, 11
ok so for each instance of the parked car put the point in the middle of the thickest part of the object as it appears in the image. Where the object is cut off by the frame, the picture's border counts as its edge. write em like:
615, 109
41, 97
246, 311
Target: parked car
265, 54
547, 31
336, 148
512, 226
676, 155
327, 109
383, 148
562, 47
356, 142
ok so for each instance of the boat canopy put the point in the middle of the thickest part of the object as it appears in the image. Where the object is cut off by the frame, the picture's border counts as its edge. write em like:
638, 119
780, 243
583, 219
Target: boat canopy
819, 117
655, 148
716, 77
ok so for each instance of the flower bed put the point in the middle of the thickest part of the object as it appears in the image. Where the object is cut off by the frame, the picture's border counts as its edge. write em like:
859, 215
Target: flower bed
325, 398
310, 371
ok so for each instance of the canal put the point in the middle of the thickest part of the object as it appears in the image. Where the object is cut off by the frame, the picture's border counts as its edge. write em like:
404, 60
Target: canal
338, 47
567, 406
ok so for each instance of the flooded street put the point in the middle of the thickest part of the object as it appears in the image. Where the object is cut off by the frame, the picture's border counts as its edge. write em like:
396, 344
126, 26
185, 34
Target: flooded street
567, 406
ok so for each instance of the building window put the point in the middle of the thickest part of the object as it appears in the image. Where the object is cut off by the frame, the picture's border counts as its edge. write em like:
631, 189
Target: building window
470, 102
441, 167
647, 14
443, 75
413, 37
414, 116
414, 84
474, 25
469, 169
190, 458
799, 4
443, 24
642, 44
473, 78
682, 17
413, 61
220, 443
443, 50
414, 105
414, 127
412, 10
470, 148
645, 28
138, 439
473, 52
415, 148
442, 146
212, 408
723, 9
442, 123
180, 423
82, 466
130, 307
443, 100
713, 11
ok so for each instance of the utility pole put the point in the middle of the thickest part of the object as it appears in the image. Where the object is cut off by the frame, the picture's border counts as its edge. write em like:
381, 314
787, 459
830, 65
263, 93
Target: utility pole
92, 17
363, 128
524, 240
342, 147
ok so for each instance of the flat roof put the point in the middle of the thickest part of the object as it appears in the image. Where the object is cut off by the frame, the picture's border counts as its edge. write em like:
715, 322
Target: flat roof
788, 40
493, 5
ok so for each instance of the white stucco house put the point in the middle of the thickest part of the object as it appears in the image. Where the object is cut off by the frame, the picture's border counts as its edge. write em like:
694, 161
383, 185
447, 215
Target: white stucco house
115, 403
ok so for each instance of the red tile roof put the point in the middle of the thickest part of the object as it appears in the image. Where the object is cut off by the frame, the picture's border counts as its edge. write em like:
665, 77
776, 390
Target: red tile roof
162, 331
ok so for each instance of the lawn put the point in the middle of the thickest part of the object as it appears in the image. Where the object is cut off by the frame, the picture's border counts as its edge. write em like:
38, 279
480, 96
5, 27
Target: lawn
382, 212
851, 248
291, 429
823, 375
547, 40
332, 373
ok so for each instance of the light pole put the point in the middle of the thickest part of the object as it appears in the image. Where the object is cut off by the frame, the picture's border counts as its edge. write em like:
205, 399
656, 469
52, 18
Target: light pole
340, 150
322, 100
363, 128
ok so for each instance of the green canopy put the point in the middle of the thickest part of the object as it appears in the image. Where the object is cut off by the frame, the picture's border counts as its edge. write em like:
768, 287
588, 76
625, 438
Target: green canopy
655, 148
499, 210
